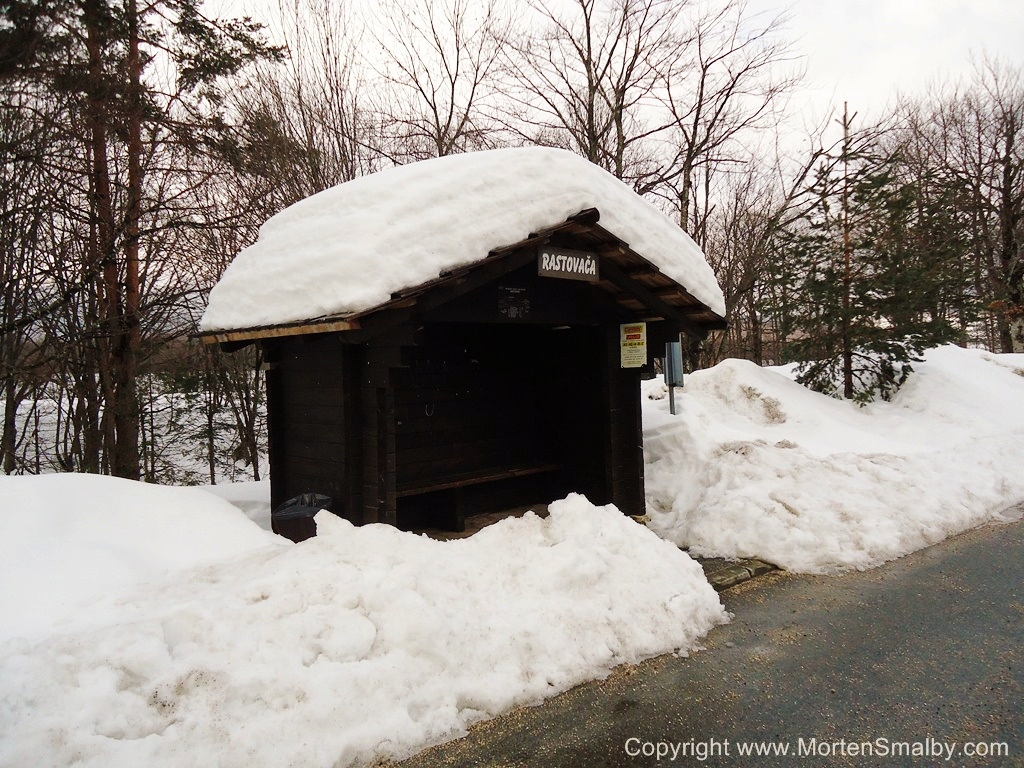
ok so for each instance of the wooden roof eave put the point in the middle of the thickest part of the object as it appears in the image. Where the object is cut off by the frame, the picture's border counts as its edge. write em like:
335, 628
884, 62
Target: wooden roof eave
650, 300
240, 337
684, 314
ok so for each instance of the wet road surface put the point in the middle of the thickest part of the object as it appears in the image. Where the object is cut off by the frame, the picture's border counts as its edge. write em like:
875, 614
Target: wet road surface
919, 662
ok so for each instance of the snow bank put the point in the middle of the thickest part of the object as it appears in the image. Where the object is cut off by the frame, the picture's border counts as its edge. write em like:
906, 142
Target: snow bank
68, 539
757, 465
252, 497
359, 644
348, 248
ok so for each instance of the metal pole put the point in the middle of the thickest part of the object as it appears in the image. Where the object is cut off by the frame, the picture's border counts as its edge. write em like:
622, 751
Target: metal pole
670, 377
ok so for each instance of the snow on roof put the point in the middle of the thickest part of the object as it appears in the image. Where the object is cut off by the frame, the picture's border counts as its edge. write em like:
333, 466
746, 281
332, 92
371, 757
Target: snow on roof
348, 248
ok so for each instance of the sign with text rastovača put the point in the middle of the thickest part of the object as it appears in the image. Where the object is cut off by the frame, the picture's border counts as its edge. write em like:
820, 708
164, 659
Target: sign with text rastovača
567, 264
633, 345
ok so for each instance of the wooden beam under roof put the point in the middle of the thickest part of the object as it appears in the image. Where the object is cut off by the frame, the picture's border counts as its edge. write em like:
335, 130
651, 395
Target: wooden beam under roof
630, 286
277, 331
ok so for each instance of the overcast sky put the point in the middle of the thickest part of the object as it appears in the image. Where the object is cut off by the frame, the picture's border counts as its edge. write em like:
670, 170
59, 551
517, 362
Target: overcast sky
863, 51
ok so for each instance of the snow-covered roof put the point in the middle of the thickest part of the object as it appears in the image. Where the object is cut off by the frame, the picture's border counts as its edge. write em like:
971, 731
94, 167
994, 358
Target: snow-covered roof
348, 248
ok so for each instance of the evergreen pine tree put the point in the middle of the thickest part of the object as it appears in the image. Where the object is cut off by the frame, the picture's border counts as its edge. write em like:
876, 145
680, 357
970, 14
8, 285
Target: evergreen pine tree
108, 60
860, 282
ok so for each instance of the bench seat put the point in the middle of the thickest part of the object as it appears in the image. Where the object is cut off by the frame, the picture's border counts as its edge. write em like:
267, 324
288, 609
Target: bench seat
463, 480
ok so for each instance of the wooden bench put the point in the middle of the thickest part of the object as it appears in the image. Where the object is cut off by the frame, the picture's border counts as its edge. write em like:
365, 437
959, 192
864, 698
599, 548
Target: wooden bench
463, 480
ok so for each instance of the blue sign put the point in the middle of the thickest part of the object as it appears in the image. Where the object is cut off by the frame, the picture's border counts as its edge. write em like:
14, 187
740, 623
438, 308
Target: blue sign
674, 364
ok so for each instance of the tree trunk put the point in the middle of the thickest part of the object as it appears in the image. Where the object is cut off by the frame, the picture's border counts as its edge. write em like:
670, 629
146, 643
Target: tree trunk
847, 264
1011, 325
101, 266
119, 304
125, 363
10, 427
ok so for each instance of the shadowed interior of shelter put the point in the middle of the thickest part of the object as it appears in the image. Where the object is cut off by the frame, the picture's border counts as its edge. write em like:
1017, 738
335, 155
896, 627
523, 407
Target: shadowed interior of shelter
504, 401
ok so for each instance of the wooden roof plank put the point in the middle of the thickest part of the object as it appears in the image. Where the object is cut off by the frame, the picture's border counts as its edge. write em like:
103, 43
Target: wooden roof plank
666, 310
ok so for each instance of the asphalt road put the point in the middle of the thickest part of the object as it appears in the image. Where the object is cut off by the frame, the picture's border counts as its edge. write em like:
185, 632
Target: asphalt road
919, 662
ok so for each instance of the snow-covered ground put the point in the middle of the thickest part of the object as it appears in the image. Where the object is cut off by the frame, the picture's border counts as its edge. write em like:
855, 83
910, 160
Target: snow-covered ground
159, 626
754, 464
252, 497
67, 540
165, 626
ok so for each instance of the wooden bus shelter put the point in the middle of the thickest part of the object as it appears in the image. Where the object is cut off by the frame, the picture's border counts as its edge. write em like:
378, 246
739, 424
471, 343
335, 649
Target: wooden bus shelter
512, 380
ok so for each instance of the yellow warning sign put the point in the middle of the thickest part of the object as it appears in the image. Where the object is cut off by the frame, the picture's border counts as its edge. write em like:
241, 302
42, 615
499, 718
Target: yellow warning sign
633, 345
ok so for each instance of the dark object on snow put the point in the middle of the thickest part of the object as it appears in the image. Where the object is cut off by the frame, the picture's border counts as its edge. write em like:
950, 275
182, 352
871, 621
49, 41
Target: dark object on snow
294, 518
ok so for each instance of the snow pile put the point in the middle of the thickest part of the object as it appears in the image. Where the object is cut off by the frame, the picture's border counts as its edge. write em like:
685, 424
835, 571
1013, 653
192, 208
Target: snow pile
66, 540
756, 465
359, 644
348, 248
252, 497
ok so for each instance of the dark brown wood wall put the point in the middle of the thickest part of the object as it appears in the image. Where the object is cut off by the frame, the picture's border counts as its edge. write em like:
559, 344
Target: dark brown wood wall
467, 402
575, 400
623, 440
309, 383
377, 434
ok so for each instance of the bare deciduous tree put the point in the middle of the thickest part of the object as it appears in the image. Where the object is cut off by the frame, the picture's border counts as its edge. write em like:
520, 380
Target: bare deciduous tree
438, 60
306, 122
585, 81
25, 197
970, 138
96, 53
722, 88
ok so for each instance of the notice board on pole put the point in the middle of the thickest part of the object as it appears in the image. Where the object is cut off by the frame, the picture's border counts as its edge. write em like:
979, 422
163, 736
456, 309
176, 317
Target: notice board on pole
633, 345
674, 364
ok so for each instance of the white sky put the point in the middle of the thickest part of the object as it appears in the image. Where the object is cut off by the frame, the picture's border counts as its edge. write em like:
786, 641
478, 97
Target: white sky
864, 51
